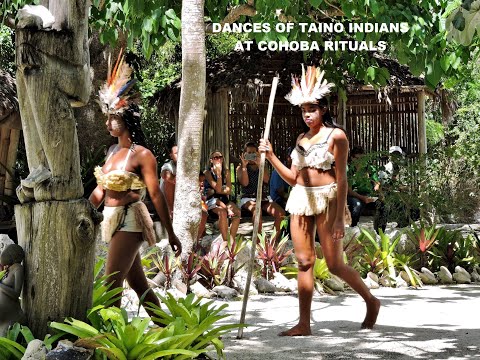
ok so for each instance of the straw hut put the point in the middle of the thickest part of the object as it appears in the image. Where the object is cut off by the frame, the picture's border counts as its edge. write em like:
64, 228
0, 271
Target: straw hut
238, 89
10, 128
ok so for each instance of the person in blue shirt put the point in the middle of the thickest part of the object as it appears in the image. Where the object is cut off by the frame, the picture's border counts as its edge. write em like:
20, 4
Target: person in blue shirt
278, 187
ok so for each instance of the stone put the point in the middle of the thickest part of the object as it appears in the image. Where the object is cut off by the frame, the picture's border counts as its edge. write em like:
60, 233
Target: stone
264, 286
282, 283
201, 291
427, 277
4, 242
445, 276
405, 277
180, 286
461, 276
334, 283
242, 258
159, 279
475, 275
400, 282
225, 292
65, 350
36, 350
240, 281
373, 276
293, 284
386, 281
370, 283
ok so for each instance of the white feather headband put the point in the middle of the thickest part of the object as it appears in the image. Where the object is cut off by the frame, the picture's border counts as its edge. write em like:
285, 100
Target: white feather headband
115, 96
310, 89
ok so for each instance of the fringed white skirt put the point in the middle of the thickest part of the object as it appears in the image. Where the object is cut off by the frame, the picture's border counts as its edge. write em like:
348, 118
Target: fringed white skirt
313, 200
133, 217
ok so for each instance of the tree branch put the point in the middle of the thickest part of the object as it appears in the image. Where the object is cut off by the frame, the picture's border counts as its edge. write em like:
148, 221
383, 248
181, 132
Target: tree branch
235, 14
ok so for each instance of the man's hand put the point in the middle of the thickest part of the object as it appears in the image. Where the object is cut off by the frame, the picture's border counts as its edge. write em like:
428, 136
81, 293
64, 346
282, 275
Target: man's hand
175, 244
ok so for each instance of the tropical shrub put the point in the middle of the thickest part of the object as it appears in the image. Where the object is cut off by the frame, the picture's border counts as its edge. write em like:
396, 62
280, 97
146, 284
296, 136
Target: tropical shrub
194, 319
272, 254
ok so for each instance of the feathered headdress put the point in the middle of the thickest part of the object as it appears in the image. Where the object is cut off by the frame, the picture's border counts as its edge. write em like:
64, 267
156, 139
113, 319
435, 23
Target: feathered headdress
310, 88
114, 96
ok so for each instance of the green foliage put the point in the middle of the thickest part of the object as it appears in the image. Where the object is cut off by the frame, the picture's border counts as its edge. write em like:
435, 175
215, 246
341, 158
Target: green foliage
128, 340
233, 248
213, 268
452, 249
272, 254
12, 346
103, 294
195, 321
151, 22
381, 258
7, 50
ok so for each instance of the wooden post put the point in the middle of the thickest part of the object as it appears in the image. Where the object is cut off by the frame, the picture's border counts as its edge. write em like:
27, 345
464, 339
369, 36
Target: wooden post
55, 224
422, 125
258, 209
341, 111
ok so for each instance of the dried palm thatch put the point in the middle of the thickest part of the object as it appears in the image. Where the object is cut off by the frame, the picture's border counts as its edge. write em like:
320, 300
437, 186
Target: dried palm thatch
8, 96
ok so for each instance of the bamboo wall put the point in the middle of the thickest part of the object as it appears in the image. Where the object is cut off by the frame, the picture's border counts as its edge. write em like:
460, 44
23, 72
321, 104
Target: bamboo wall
376, 126
215, 127
9, 139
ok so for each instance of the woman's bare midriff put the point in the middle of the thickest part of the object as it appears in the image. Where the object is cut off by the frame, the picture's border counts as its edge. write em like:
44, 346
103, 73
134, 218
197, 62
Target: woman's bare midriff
315, 177
121, 198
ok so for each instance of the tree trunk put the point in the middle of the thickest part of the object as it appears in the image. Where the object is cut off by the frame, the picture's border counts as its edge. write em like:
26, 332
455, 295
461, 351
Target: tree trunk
58, 239
56, 229
187, 211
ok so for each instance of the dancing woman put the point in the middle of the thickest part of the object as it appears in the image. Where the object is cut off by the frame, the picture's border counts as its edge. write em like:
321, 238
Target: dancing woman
129, 170
318, 197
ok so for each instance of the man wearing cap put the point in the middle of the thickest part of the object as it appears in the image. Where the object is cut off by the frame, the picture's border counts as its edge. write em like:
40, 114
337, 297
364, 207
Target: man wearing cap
392, 179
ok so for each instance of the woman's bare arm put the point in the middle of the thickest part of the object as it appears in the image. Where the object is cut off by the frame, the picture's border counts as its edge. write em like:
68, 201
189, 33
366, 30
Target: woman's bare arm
148, 169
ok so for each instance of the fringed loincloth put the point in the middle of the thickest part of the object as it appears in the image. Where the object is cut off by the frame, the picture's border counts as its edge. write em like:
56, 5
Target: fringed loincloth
133, 217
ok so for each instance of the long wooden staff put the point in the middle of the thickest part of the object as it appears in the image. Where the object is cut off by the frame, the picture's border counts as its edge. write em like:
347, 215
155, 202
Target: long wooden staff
258, 208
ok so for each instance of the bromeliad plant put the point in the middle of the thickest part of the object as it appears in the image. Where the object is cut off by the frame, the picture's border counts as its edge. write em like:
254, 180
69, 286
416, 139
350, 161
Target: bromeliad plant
13, 347
233, 248
190, 268
213, 267
103, 293
424, 239
121, 339
196, 320
272, 255
320, 274
381, 257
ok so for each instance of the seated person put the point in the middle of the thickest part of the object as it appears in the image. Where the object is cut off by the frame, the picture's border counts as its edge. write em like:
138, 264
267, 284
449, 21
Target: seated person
168, 174
394, 191
362, 182
278, 187
218, 186
247, 173
203, 221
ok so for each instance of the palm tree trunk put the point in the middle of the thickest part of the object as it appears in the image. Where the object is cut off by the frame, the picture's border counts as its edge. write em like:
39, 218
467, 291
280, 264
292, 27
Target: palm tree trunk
187, 211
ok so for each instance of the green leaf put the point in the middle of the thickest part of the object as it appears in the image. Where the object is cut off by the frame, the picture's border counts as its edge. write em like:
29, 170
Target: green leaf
434, 73
315, 3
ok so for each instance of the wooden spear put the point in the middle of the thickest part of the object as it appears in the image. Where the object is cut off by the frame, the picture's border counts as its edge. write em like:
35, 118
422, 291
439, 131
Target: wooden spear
258, 208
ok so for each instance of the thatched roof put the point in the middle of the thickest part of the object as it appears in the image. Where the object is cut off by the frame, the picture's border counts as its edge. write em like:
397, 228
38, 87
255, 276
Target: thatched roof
8, 96
246, 73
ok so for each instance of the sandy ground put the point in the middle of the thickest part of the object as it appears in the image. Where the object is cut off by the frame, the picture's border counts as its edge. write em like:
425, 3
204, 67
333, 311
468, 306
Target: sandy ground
437, 322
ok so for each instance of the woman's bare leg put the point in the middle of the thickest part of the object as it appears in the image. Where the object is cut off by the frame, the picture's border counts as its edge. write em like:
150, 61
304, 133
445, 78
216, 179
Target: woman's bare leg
333, 253
122, 250
275, 210
235, 219
138, 282
303, 235
222, 221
